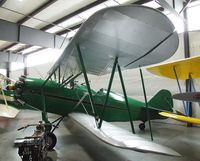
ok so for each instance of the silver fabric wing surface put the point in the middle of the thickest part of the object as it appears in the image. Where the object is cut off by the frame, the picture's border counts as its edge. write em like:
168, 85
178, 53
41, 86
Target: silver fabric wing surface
118, 137
137, 35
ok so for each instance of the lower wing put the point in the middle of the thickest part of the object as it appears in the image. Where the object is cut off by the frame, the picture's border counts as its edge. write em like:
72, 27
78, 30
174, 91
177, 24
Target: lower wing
181, 118
118, 137
8, 111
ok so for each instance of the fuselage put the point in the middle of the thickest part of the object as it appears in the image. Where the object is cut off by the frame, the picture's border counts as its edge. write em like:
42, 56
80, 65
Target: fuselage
63, 100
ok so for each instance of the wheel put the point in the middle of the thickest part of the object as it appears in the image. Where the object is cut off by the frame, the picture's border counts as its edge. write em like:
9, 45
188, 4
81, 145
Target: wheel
25, 158
51, 140
142, 126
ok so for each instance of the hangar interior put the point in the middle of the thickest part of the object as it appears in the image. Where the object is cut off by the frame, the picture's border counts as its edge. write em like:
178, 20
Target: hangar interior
34, 34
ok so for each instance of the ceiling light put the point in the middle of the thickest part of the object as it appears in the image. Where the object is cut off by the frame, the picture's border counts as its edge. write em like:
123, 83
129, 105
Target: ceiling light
152, 4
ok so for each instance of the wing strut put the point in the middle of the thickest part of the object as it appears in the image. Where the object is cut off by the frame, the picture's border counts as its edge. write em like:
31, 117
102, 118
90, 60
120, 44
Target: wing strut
86, 80
126, 98
179, 87
108, 91
146, 102
116, 64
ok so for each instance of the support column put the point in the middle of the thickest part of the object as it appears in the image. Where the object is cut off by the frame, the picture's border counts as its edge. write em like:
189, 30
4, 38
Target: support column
25, 66
187, 55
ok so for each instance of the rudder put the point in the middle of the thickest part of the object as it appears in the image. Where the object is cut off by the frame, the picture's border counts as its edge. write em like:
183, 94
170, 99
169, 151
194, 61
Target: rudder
162, 101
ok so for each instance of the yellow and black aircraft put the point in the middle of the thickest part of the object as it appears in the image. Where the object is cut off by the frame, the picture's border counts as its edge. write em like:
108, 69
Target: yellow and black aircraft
181, 70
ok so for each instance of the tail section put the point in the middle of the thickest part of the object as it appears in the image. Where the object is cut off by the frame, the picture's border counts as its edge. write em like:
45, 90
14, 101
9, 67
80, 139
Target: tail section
162, 101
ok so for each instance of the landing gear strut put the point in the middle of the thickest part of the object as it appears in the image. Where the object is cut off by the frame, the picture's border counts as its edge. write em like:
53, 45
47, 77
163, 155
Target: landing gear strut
51, 137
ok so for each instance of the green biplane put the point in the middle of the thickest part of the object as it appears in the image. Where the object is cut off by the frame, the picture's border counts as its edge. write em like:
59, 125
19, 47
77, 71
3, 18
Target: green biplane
122, 37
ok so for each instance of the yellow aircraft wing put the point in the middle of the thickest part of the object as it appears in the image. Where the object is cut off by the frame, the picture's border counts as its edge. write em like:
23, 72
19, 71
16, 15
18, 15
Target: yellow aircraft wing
180, 117
183, 68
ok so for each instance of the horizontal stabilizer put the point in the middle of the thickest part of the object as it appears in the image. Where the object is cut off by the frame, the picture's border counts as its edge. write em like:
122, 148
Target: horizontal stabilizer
181, 118
8, 111
118, 137
189, 96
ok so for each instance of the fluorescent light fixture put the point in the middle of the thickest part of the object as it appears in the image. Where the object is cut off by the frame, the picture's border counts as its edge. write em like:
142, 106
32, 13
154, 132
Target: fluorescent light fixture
66, 24
71, 22
17, 46
54, 29
43, 57
31, 49
64, 35
71, 33
152, 4
111, 3
91, 11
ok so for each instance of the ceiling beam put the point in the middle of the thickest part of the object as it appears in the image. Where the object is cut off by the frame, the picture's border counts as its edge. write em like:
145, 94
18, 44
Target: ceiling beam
21, 21
36, 11
9, 46
22, 34
23, 48
29, 53
73, 14
142, 1
68, 30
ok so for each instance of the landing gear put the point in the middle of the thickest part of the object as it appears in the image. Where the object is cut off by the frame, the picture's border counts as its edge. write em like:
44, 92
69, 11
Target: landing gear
51, 137
142, 126
51, 140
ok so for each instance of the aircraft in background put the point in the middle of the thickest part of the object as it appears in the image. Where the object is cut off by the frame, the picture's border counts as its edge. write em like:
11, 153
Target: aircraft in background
120, 37
181, 69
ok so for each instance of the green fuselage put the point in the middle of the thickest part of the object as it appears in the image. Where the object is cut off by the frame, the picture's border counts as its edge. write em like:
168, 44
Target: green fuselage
63, 100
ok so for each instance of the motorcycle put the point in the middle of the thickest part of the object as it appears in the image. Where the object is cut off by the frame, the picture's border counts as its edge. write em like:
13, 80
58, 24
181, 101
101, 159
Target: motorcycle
35, 147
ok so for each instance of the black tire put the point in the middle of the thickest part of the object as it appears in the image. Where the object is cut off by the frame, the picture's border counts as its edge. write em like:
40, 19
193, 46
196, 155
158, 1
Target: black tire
142, 126
26, 158
51, 140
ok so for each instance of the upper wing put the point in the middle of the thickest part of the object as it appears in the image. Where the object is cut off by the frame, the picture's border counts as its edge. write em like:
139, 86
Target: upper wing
118, 137
137, 35
183, 67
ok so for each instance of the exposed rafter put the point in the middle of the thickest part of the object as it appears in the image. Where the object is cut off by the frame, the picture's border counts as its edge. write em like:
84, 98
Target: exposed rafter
9, 46
73, 14
23, 48
36, 11
68, 30
20, 22
141, 1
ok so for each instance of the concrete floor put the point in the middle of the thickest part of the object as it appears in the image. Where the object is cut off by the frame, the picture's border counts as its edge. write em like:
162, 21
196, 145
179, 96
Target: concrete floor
76, 144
